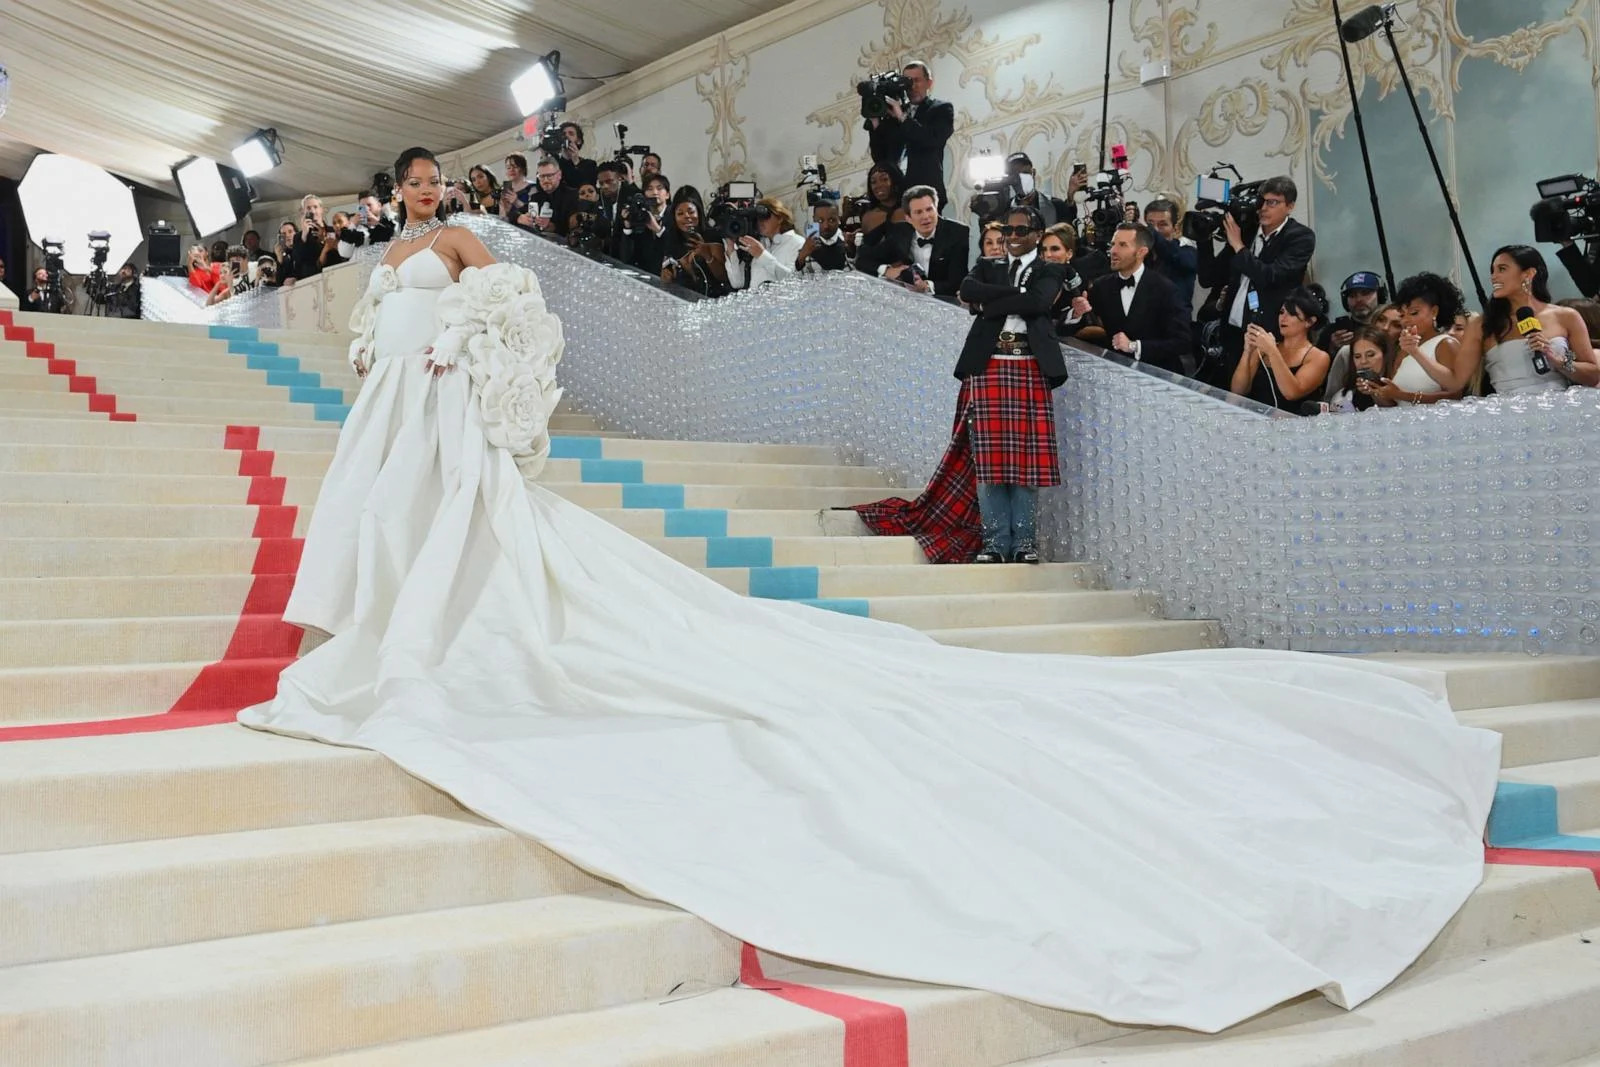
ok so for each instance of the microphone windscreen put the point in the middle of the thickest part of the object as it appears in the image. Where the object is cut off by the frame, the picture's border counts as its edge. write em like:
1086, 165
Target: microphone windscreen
1362, 24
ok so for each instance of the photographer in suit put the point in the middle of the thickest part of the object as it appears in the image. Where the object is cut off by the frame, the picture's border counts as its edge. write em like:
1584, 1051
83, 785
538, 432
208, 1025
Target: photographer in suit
926, 254
912, 136
124, 300
1137, 306
1271, 265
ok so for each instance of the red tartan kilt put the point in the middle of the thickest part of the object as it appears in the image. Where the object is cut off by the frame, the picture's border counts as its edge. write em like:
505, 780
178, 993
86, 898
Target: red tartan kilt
1012, 424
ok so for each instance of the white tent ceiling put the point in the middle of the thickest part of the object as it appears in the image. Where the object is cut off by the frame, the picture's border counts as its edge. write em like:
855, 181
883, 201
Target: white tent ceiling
139, 85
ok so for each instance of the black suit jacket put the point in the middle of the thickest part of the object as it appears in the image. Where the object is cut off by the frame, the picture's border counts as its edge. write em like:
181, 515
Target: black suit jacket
1156, 318
921, 137
1275, 273
993, 298
946, 268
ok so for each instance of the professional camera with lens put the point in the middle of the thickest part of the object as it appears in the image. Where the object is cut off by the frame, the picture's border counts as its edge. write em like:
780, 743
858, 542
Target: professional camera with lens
814, 180
878, 90
1216, 196
97, 285
736, 212
1568, 209
590, 232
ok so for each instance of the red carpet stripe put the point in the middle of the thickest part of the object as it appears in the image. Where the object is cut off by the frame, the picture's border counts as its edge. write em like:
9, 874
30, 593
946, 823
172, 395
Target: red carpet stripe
874, 1033
1524, 857
262, 644
100, 403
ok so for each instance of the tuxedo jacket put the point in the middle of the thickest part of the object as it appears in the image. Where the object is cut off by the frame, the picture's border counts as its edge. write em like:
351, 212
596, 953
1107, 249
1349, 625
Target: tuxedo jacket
1156, 318
946, 268
1275, 273
921, 137
989, 291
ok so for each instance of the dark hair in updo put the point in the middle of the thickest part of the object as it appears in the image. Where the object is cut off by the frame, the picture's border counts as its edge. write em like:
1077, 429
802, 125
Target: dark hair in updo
402, 167
1435, 290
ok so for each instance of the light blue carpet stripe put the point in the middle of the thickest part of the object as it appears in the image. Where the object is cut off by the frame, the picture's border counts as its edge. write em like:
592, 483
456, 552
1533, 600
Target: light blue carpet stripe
696, 522
575, 447
305, 387
784, 583
843, 605
613, 470
1527, 816
738, 552
639, 495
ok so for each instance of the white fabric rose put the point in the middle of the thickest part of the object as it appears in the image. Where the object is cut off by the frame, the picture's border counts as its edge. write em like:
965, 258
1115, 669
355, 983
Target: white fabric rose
516, 408
364, 316
527, 328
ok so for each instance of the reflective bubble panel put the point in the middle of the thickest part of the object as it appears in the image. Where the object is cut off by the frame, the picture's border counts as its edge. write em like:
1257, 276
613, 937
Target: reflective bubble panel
1456, 527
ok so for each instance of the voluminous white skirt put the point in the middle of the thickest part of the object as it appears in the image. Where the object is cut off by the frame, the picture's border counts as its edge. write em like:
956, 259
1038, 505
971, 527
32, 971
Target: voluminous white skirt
1182, 839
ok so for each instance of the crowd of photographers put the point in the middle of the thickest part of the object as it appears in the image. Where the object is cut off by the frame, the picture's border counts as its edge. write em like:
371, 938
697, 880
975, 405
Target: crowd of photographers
1218, 293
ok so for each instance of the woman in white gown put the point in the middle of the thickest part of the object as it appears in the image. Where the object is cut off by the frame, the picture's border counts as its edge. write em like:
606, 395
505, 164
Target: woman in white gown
1182, 839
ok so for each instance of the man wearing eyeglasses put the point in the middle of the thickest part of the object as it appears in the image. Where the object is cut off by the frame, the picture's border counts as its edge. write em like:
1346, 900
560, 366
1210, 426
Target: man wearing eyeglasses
1272, 264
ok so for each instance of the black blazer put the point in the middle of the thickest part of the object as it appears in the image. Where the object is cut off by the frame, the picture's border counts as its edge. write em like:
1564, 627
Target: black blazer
1156, 318
1275, 273
946, 268
989, 291
922, 137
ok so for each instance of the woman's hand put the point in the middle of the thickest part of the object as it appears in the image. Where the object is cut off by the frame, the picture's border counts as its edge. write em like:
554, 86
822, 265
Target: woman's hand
437, 369
1262, 340
1384, 391
1081, 306
1410, 341
752, 247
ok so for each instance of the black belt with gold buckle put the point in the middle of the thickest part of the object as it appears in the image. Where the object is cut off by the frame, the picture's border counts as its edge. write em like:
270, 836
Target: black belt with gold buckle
1013, 348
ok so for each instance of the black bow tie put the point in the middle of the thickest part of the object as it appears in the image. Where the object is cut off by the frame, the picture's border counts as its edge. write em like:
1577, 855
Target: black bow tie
924, 242
1129, 282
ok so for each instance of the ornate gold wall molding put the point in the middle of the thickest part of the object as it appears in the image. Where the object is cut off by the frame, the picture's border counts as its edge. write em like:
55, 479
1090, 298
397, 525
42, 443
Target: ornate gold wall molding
728, 154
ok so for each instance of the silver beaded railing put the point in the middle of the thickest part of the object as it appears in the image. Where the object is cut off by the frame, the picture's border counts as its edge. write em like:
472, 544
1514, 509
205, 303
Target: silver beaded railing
1456, 527
175, 300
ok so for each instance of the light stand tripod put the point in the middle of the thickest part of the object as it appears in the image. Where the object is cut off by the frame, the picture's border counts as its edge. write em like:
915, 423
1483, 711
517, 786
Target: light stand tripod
1366, 157
1363, 25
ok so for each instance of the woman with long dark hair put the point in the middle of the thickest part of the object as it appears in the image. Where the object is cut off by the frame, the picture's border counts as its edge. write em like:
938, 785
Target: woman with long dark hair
483, 189
1554, 354
691, 260
1371, 359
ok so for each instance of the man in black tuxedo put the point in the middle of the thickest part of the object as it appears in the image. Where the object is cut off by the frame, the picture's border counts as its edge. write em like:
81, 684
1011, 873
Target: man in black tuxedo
1272, 265
926, 253
1137, 305
913, 136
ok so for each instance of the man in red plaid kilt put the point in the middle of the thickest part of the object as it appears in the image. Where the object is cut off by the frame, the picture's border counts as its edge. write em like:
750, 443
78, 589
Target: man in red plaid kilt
982, 501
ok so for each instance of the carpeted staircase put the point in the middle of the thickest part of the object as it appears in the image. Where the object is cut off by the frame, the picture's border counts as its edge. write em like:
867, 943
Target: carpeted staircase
176, 890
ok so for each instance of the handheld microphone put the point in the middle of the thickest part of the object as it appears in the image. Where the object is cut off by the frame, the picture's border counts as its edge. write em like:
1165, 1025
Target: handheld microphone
1528, 323
1365, 23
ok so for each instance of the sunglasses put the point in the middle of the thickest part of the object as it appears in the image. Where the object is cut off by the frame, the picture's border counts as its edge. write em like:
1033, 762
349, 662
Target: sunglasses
1015, 231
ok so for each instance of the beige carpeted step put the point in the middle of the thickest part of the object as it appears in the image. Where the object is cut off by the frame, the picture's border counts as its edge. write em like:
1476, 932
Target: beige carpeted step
1132, 638
996, 610
349, 985
126, 597
91, 459
227, 521
1577, 783
81, 791
824, 522
1529, 1006
31, 696
78, 902
37, 488
669, 472
99, 431
46, 643
807, 551
81, 557
1542, 733
1502, 680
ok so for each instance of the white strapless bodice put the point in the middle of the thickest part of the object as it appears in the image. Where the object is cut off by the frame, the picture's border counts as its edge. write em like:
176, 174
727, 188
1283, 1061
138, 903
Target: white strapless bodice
407, 321
1511, 370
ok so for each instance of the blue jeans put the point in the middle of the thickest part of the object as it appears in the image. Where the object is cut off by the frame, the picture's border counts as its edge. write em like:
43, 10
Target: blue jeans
1008, 518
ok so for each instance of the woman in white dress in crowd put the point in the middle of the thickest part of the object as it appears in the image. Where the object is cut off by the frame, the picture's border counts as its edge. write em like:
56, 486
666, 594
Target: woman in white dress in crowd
1433, 365
1182, 839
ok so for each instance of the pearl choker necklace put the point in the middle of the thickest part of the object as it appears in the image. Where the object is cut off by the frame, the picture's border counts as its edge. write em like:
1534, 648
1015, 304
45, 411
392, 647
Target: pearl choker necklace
408, 232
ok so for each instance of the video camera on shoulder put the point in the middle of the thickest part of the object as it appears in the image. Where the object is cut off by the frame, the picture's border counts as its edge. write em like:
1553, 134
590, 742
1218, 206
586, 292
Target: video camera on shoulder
1214, 197
735, 212
1568, 209
1104, 199
879, 89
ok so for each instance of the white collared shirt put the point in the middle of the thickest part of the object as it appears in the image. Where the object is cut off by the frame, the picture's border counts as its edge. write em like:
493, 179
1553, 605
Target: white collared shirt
1236, 313
1016, 323
922, 255
1126, 293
